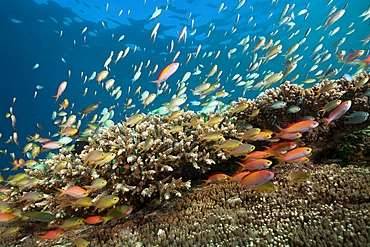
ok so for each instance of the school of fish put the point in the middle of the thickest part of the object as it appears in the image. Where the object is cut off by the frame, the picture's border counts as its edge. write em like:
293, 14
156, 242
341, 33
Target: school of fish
207, 80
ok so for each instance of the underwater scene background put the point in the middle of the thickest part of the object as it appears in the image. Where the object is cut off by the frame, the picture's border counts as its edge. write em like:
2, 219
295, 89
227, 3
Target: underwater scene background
254, 132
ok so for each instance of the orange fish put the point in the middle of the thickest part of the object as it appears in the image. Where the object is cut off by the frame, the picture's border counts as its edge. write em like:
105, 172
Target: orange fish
339, 111
61, 89
93, 220
183, 35
257, 155
166, 73
256, 164
280, 147
256, 178
6, 217
215, 177
74, 191
300, 126
51, 235
294, 155
291, 136
237, 176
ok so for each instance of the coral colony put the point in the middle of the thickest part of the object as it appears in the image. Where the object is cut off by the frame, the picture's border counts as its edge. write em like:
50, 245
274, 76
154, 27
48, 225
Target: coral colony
123, 179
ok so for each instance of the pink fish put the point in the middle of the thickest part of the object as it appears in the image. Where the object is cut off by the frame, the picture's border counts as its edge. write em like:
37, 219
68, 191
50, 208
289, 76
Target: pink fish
215, 177
256, 178
281, 147
291, 136
298, 127
257, 155
256, 164
52, 145
61, 89
237, 176
294, 155
74, 191
339, 111
352, 56
362, 63
183, 35
166, 73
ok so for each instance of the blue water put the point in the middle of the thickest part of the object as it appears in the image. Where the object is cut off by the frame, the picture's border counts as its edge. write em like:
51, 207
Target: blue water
30, 34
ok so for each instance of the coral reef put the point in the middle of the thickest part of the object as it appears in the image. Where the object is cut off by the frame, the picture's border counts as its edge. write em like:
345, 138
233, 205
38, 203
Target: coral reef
148, 156
310, 102
330, 208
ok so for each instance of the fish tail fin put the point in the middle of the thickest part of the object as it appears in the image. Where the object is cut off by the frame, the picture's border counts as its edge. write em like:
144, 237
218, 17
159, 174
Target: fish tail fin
280, 162
104, 220
281, 131
60, 190
239, 164
158, 83
56, 98
327, 121
205, 183
88, 187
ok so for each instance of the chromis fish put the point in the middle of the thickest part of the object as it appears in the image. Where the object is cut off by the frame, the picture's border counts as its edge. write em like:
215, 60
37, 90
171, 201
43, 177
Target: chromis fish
212, 136
242, 149
71, 223
39, 216
117, 213
96, 184
106, 202
299, 176
90, 108
228, 144
81, 202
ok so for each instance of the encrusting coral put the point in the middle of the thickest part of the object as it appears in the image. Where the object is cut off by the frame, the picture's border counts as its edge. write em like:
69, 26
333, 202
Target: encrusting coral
330, 208
139, 171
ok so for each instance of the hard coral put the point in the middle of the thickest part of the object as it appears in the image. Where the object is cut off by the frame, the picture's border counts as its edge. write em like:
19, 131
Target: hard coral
310, 103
